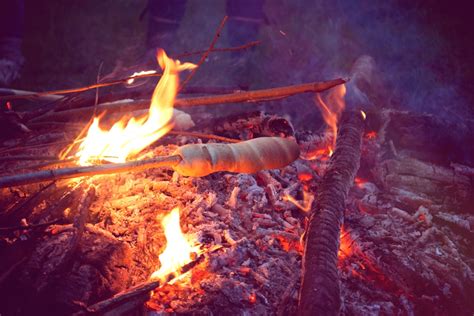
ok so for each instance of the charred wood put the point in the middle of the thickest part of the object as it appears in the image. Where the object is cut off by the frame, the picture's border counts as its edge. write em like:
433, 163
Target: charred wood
320, 290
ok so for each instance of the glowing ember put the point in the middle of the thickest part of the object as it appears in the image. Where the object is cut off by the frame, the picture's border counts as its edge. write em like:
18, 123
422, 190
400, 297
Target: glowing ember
178, 251
252, 298
127, 138
371, 135
318, 153
359, 182
140, 73
331, 108
305, 205
345, 246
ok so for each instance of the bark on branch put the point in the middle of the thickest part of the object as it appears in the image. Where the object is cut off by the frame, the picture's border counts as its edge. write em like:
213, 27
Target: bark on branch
238, 97
320, 292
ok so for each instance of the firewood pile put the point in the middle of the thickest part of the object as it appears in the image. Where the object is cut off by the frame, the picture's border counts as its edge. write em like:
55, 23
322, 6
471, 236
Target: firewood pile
383, 224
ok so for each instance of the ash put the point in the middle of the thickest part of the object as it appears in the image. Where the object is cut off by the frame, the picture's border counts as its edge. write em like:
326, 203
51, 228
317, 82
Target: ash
406, 244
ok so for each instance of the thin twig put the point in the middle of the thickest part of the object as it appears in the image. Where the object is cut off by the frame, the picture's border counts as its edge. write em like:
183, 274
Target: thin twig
46, 164
97, 89
206, 53
28, 95
28, 227
202, 135
227, 49
34, 146
27, 157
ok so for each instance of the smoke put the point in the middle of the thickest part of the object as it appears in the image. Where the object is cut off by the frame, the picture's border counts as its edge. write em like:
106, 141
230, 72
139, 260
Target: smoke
395, 54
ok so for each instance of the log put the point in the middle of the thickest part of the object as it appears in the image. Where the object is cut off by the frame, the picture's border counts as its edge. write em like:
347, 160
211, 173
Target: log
320, 290
238, 97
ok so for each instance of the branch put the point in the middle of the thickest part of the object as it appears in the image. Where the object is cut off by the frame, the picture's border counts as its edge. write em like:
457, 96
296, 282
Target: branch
17, 94
226, 49
201, 135
320, 292
206, 53
238, 97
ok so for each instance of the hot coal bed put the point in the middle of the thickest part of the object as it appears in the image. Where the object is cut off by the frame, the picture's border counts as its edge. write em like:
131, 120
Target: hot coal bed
133, 206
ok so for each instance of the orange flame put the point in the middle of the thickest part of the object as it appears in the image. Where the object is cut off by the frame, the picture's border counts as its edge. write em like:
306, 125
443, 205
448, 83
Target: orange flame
345, 245
331, 108
179, 249
127, 138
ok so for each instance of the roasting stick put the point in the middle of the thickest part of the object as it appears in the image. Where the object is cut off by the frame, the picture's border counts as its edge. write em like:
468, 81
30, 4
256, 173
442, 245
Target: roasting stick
196, 160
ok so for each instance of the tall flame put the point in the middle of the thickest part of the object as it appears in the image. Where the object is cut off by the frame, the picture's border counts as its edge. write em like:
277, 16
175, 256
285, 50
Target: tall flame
331, 108
178, 249
127, 138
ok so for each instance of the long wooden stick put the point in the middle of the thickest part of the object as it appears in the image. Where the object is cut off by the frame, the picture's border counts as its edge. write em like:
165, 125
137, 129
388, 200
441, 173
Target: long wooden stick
75, 172
238, 97
320, 292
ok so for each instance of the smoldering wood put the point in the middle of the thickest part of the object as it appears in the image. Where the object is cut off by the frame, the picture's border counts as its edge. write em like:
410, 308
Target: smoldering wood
8, 230
320, 289
138, 294
428, 137
50, 275
58, 279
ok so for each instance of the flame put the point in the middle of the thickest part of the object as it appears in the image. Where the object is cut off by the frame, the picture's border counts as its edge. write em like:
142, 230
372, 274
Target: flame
178, 251
129, 137
331, 108
304, 205
140, 73
364, 115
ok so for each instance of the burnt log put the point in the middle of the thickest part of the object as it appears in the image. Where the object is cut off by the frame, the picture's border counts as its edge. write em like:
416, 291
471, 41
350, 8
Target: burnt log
320, 290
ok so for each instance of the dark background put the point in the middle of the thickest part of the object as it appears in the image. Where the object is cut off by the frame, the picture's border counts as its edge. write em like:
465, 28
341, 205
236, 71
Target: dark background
423, 49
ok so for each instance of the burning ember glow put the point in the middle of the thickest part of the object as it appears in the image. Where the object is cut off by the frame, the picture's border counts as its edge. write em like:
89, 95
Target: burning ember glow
140, 73
371, 135
331, 108
345, 246
178, 251
305, 205
127, 138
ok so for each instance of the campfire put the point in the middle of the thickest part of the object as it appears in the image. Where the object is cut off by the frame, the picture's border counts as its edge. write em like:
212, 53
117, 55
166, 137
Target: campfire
133, 205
